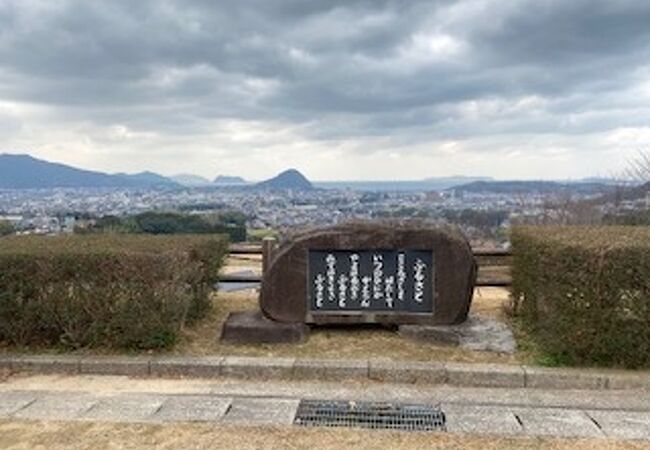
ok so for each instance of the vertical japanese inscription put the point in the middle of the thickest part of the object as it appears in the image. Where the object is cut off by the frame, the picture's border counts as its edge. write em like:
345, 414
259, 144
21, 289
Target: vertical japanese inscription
371, 280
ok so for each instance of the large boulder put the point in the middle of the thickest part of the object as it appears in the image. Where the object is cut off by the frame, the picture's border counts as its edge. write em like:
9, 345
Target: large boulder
287, 290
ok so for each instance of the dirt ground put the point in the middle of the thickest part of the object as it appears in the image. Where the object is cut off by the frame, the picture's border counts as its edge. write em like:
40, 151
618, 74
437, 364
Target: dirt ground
18, 435
341, 342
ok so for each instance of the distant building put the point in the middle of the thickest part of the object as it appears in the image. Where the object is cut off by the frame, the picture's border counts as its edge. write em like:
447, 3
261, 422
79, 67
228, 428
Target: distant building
68, 225
12, 219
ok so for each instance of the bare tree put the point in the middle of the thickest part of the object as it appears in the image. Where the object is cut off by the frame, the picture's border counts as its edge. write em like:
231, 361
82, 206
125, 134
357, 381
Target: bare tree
639, 167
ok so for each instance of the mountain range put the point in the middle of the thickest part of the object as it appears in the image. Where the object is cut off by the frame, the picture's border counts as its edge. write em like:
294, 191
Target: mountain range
428, 184
535, 187
27, 172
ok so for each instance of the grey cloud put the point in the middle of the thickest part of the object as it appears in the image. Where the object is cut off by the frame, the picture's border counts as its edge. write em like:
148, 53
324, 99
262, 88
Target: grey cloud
341, 68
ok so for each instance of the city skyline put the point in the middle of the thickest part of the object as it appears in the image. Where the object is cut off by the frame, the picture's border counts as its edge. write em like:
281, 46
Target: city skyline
352, 90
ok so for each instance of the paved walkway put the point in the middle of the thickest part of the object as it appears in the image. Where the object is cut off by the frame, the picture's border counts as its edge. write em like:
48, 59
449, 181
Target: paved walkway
567, 413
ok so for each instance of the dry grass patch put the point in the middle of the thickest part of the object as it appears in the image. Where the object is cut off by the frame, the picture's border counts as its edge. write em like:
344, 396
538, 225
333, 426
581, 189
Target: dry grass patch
15, 435
239, 263
337, 342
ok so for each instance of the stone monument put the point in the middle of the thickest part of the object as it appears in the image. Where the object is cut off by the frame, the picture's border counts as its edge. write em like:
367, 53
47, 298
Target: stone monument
390, 274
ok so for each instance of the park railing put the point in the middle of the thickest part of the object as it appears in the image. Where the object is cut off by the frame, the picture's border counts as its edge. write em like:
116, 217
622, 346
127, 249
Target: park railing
494, 265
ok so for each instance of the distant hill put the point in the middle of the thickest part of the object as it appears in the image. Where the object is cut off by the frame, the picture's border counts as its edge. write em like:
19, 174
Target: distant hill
641, 191
27, 172
532, 187
149, 179
599, 180
190, 180
224, 179
455, 180
625, 193
289, 179
428, 184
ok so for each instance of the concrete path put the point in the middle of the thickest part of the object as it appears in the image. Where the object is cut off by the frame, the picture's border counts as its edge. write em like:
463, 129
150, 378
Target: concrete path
492, 411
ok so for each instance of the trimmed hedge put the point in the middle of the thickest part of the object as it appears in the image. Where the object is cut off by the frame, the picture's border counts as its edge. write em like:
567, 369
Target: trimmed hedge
124, 291
583, 293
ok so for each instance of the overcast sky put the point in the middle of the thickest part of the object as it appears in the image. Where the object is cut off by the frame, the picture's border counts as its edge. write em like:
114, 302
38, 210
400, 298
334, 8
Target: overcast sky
347, 89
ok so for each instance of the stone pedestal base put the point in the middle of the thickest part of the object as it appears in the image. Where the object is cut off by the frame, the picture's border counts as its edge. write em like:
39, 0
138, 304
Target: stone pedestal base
477, 333
251, 327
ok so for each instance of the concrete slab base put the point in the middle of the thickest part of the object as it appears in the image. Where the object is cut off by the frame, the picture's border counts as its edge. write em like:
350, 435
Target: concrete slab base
62, 406
251, 327
475, 419
558, 422
193, 408
623, 424
126, 408
262, 411
12, 402
476, 333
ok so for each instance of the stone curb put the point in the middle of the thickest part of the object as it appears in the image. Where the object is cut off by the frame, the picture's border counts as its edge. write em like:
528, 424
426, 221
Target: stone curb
454, 374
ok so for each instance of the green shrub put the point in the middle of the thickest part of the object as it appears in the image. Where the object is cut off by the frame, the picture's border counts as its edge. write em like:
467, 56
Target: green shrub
6, 228
105, 290
583, 293
635, 217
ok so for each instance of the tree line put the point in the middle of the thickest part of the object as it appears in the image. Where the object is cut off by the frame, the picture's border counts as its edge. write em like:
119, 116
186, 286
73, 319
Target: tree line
231, 223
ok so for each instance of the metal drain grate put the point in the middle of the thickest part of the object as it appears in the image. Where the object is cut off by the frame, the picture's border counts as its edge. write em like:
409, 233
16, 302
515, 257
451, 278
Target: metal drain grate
392, 416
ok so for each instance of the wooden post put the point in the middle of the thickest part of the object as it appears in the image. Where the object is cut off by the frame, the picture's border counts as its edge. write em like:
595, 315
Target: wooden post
268, 246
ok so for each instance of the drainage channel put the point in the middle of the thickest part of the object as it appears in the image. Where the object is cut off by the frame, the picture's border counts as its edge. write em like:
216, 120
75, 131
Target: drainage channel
374, 415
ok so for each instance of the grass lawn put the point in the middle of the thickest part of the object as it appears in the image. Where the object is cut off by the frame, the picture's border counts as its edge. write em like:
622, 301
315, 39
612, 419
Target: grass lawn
16, 435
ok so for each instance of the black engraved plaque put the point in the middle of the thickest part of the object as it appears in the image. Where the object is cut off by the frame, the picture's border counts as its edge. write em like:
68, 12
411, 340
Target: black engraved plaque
372, 281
